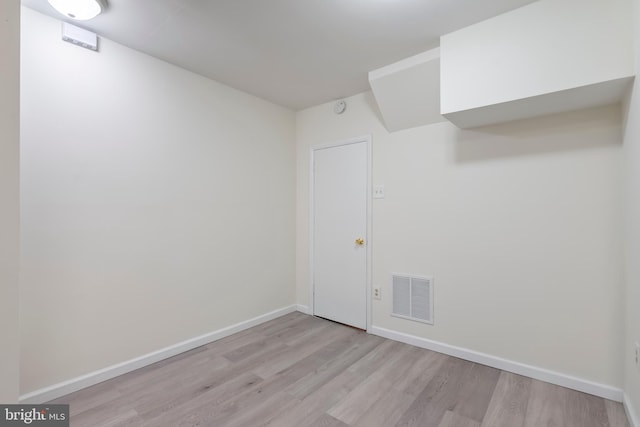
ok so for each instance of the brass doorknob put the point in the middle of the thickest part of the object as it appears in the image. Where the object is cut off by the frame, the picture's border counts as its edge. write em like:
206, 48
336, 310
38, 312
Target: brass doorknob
359, 241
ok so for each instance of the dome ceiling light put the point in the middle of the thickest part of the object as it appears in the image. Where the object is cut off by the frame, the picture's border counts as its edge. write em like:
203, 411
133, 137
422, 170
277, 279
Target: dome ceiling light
80, 10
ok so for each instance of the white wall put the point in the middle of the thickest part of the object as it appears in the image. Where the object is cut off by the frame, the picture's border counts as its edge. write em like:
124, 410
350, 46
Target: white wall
9, 203
546, 46
532, 52
632, 234
520, 225
157, 205
407, 92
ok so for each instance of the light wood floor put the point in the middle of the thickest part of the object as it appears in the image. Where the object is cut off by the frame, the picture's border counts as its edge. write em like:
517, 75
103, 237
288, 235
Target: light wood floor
299, 371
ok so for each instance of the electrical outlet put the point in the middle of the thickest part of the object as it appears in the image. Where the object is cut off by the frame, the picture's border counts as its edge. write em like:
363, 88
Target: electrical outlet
637, 359
378, 192
377, 293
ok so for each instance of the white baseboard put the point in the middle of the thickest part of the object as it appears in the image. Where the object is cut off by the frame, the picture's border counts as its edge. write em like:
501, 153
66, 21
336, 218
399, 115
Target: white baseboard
61, 389
632, 415
586, 386
304, 309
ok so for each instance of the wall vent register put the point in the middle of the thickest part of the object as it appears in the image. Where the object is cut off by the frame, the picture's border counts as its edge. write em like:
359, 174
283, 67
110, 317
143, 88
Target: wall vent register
413, 297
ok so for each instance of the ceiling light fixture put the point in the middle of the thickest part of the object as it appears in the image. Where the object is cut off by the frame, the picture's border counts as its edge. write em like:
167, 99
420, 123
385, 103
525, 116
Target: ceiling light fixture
80, 10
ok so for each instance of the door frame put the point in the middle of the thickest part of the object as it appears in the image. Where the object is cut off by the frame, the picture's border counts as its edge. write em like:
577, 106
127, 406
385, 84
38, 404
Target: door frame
366, 139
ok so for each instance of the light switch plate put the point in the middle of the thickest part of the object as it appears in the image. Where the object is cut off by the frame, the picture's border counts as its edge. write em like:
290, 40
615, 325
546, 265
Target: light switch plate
378, 192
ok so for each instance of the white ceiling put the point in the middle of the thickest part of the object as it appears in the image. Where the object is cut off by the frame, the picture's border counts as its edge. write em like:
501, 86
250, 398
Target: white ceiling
296, 53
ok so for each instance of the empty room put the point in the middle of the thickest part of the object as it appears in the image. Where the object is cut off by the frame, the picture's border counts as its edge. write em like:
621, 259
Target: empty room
320, 213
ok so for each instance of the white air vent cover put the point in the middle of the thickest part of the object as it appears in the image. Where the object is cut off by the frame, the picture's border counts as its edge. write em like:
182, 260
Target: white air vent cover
413, 297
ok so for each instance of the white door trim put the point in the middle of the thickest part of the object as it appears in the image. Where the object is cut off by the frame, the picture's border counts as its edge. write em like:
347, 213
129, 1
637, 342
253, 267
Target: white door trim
368, 239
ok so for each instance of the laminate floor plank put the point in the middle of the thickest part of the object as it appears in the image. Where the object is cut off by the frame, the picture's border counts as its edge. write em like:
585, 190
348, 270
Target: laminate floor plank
169, 391
212, 379
304, 414
476, 392
232, 342
552, 405
298, 329
85, 400
616, 414
440, 394
264, 411
185, 404
317, 360
303, 347
381, 359
181, 371
360, 399
387, 410
118, 390
362, 344
325, 420
302, 371
508, 405
227, 413
451, 419
317, 326
125, 419
104, 415
416, 369
172, 390
275, 326
254, 349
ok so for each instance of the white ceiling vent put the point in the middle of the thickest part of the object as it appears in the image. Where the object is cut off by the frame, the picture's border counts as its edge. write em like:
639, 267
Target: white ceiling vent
413, 297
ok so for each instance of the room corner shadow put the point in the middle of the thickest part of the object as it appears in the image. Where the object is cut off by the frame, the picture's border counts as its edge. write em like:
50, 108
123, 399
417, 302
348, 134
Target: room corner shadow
571, 131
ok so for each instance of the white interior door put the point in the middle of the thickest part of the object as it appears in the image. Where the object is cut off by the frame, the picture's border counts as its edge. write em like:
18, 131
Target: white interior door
340, 196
